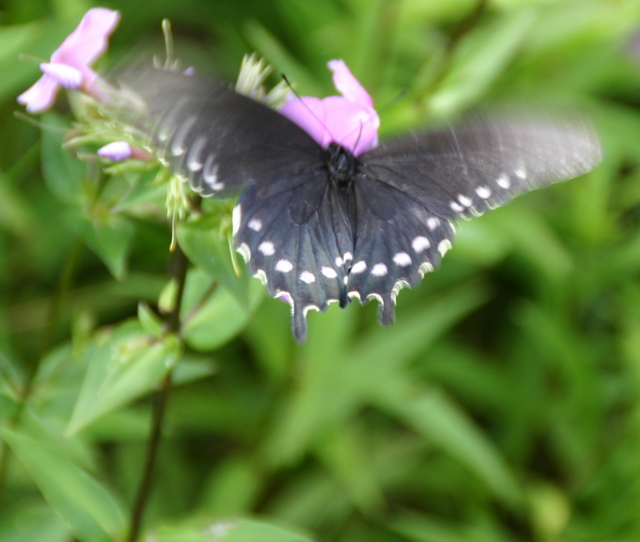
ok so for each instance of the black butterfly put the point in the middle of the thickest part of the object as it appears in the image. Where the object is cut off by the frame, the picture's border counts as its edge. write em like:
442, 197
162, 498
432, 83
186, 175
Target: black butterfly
320, 225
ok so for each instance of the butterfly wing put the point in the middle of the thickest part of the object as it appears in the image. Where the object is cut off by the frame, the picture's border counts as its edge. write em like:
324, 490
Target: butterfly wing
289, 224
410, 188
292, 240
464, 171
217, 139
398, 240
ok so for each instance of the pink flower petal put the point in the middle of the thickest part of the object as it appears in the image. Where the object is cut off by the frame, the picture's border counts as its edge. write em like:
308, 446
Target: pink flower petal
119, 151
89, 40
351, 125
116, 151
65, 76
347, 84
348, 120
308, 113
69, 66
40, 96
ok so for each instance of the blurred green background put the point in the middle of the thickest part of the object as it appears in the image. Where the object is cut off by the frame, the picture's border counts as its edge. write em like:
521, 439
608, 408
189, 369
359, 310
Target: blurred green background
503, 405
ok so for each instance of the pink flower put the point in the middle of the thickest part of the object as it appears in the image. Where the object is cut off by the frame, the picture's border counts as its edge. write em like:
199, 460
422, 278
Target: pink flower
119, 151
348, 120
69, 66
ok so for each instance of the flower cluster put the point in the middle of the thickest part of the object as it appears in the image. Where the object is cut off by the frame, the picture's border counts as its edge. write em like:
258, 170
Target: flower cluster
70, 65
348, 120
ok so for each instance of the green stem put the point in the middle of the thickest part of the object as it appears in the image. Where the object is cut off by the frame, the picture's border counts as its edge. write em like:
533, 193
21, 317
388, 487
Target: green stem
180, 265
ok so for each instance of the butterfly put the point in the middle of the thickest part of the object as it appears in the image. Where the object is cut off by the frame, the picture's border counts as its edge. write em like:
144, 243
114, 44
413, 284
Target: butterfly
318, 224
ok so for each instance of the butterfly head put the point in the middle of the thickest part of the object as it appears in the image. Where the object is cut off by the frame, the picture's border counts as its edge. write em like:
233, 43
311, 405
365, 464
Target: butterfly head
342, 165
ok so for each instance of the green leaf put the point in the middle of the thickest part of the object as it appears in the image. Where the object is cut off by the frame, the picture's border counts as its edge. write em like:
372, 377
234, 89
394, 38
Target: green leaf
233, 488
62, 172
14, 41
280, 58
481, 60
212, 320
206, 248
352, 467
86, 506
247, 530
110, 237
142, 190
241, 530
150, 321
122, 366
440, 420
369, 371
28, 521
11, 378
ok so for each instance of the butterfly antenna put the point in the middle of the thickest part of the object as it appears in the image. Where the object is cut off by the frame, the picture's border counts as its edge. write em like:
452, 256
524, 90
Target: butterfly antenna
295, 93
400, 95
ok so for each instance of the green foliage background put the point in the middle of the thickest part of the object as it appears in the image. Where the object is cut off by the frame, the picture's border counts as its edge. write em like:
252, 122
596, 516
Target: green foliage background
503, 405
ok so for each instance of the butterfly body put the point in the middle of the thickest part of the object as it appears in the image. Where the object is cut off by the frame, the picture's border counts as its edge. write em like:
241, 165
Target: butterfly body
321, 225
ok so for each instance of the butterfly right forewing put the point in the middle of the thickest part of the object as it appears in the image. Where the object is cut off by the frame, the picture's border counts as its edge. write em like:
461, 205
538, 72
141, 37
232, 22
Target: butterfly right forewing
409, 189
464, 171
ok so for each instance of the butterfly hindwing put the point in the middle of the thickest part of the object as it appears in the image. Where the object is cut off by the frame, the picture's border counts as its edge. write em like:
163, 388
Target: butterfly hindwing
398, 240
292, 240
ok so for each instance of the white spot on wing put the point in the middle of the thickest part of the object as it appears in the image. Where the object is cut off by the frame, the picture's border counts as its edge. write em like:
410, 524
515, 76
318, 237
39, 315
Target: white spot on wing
521, 172
244, 251
310, 308
444, 246
307, 276
329, 272
456, 207
210, 174
484, 192
355, 294
284, 266
236, 218
255, 224
262, 276
379, 270
425, 267
177, 146
504, 181
347, 257
433, 223
402, 259
358, 267
193, 158
267, 248
282, 295
420, 243
397, 287
465, 201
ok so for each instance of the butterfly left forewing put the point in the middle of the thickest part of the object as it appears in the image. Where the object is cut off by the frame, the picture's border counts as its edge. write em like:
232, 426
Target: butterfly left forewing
217, 139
